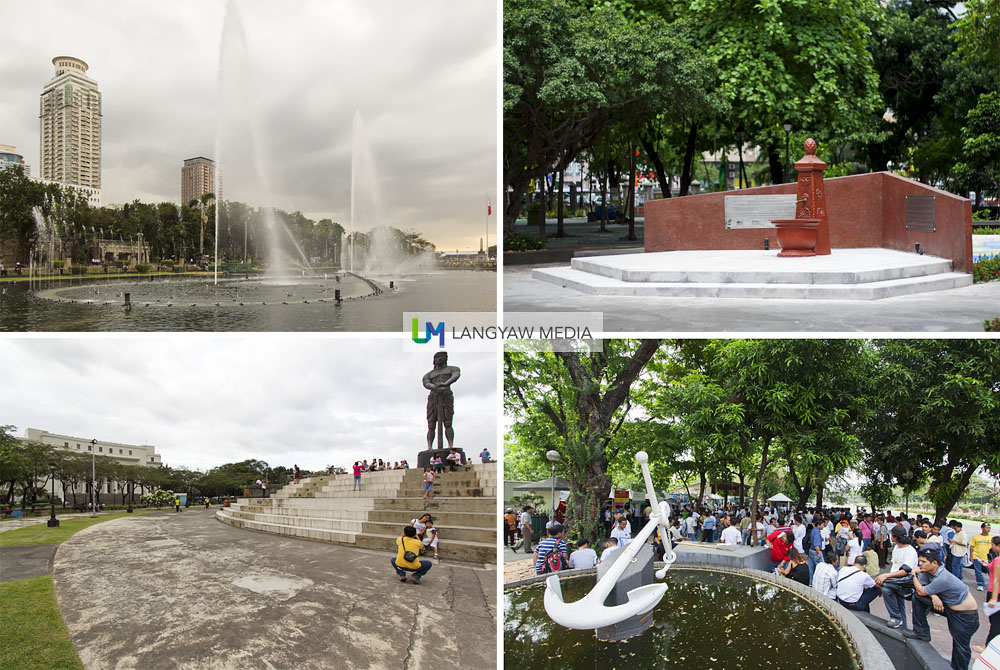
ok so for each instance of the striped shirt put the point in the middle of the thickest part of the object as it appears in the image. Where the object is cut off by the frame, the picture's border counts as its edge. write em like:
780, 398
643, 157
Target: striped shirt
544, 547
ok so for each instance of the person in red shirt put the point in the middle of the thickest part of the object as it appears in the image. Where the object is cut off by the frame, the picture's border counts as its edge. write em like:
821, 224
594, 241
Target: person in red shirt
779, 541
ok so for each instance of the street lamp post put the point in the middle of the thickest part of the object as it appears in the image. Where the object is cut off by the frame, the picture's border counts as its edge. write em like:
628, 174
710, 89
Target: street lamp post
907, 476
553, 457
93, 477
788, 129
53, 521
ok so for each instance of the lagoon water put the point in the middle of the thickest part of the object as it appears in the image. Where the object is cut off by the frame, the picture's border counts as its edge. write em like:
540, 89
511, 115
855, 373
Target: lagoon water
706, 620
48, 306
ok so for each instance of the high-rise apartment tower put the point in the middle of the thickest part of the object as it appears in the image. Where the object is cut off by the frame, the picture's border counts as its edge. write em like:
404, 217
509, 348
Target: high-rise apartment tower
197, 179
70, 121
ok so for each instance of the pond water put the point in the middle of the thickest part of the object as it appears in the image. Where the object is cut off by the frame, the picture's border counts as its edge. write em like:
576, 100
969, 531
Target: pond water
707, 620
289, 304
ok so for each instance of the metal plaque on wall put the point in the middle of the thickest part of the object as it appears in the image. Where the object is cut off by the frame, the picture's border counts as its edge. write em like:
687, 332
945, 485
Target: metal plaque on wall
757, 211
920, 211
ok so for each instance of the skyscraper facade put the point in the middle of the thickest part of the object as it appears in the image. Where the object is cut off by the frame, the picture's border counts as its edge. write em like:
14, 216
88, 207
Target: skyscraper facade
197, 179
70, 123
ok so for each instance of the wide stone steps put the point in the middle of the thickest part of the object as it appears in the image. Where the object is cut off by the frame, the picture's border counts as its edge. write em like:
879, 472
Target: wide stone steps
481, 552
328, 509
448, 534
433, 505
442, 518
340, 525
846, 274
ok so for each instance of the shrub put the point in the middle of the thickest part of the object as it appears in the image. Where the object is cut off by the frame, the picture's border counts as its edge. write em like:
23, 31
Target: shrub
519, 242
986, 269
142, 268
992, 326
77, 269
985, 230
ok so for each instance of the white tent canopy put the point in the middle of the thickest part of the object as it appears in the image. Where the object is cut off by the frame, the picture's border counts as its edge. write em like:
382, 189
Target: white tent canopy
780, 498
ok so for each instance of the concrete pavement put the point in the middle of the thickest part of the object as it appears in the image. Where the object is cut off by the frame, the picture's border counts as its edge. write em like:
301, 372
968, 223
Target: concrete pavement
956, 310
184, 590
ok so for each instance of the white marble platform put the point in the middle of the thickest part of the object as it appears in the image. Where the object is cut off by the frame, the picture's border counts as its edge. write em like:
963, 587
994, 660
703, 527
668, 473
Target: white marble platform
845, 274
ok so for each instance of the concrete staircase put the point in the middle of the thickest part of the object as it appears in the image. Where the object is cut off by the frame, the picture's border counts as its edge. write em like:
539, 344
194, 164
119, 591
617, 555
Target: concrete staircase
846, 274
329, 510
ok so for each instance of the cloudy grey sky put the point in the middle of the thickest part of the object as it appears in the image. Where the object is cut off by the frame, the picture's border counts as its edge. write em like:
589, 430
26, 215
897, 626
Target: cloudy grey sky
423, 76
207, 400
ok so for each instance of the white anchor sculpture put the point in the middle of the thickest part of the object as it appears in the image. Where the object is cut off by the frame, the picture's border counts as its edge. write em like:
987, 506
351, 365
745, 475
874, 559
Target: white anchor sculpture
590, 611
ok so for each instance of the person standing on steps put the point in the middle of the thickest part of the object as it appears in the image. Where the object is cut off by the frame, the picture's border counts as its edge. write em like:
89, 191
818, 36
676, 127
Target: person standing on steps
428, 481
357, 476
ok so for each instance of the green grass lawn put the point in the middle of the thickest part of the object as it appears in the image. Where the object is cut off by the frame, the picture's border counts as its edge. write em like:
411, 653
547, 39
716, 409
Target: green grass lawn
42, 534
32, 631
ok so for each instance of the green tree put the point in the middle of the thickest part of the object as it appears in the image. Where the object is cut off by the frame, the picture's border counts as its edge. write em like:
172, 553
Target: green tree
584, 399
979, 169
789, 60
569, 75
937, 415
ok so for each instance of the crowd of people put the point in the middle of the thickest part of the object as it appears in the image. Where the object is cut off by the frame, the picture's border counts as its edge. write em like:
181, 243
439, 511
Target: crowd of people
852, 557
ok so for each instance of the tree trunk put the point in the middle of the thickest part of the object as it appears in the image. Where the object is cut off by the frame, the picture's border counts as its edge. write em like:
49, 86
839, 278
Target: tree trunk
604, 193
584, 508
742, 487
756, 491
702, 480
803, 493
819, 494
687, 173
654, 157
943, 507
630, 200
560, 228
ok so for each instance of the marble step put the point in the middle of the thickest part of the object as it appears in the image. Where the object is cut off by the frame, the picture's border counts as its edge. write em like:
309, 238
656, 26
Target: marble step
595, 284
480, 552
448, 534
842, 266
439, 504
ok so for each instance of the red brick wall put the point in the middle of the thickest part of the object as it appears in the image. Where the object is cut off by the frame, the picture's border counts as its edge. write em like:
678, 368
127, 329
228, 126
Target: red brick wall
864, 211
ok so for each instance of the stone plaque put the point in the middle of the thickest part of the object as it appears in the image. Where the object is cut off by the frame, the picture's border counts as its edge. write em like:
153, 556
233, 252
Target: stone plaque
757, 211
920, 213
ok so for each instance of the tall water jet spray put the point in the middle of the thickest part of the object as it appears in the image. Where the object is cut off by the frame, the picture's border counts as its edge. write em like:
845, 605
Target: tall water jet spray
239, 115
363, 183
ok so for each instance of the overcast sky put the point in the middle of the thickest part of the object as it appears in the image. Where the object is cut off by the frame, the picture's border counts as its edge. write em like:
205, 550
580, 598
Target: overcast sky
423, 76
207, 400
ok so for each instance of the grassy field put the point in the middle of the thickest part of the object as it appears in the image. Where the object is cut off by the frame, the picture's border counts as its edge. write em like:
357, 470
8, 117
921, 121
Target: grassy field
32, 632
42, 534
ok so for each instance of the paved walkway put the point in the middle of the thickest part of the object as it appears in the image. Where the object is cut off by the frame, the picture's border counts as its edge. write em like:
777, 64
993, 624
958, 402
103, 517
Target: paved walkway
955, 310
184, 590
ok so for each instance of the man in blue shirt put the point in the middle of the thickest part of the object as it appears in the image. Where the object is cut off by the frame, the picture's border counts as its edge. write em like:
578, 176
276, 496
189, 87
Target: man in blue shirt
708, 529
555, 539
816, 545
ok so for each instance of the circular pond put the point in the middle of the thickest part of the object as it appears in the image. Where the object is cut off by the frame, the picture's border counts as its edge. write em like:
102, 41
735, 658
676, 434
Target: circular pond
706, 620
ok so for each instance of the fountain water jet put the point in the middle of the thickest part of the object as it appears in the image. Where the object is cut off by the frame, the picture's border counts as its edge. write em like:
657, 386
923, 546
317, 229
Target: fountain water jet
238, 113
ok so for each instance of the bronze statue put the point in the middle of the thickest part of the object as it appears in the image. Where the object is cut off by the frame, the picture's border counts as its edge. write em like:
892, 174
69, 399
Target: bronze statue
440, 400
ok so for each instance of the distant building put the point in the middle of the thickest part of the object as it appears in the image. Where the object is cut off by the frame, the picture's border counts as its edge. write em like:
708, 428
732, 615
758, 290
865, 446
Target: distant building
92, 195
197, 179
10, 158
126, 454
70, 125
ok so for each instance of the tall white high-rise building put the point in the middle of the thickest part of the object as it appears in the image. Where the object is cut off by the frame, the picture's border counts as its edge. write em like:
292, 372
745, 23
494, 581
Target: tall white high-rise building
70, 125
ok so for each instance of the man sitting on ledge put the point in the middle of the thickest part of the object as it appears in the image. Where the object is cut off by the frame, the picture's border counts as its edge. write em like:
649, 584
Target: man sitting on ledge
944, 592
855, 587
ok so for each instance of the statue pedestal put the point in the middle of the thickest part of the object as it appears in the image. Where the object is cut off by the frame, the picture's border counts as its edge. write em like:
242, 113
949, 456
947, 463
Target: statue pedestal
639, 573
424, 457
